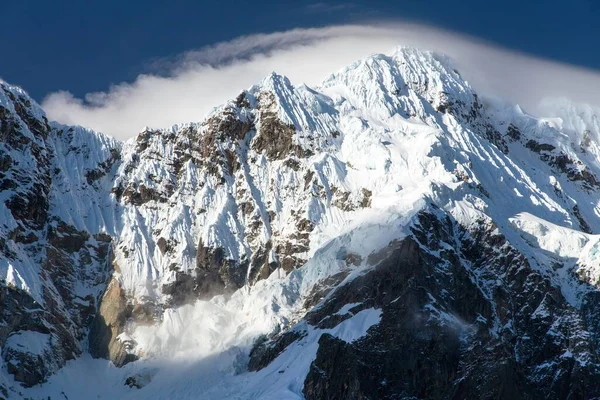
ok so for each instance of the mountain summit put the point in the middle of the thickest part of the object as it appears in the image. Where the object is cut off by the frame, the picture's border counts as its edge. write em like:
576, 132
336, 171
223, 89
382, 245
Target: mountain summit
386, 234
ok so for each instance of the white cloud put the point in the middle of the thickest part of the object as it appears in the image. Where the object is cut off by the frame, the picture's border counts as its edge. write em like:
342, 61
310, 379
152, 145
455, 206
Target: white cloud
188, 86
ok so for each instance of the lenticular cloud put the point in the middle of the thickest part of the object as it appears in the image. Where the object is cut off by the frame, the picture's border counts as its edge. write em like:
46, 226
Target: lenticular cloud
184, 88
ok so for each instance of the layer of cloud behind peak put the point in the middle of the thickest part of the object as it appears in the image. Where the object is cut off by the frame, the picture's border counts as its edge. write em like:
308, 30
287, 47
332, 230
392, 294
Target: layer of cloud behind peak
186, 87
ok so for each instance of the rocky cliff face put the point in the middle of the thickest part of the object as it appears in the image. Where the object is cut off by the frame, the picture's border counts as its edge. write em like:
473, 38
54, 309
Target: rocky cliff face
53, 271
474, 320
385, 235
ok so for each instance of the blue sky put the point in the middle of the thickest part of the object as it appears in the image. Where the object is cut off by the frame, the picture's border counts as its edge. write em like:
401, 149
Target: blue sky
85, 46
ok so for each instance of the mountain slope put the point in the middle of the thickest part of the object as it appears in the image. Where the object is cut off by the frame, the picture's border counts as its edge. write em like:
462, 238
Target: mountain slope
303, 241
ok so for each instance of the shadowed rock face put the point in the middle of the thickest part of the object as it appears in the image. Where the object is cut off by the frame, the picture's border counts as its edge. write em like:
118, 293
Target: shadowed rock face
574, 170
115, 310
266, 350
56, 316
63, 318
19, 312
108, 324
214, 274
449, 328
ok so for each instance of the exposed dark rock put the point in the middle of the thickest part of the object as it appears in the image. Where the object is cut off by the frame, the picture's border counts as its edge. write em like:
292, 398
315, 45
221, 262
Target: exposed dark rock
574, 170
292, 163
353, 259
247, 208
266, 350
513, 133
260, 266
142, 141
495, 137
341, 201
366, 201
140, 194
463, 314
166, 246
25, 368
21, 235
19, 313
10, 130
214, 274
539, 147
7, 184
321, 289
141, 379
109, 324
453, 339
287, 251
103, 168
214, 260
31, 207
162, 245
5, 163
241, 101
338, 358
433, 363
228, 125
308, 177
67, 237
583, 225
305, 225
37, 127
187, 288
275, 137
65, 255
429, 353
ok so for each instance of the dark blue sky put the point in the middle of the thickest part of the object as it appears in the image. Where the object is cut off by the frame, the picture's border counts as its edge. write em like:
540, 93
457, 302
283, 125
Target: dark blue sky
84, 46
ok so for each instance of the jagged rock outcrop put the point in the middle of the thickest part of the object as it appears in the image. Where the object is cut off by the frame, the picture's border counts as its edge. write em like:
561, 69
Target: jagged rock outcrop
463, 315
475, 321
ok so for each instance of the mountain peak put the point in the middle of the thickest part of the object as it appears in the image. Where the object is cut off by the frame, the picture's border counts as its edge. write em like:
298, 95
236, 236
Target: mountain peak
293, 221
24, 110
407, 83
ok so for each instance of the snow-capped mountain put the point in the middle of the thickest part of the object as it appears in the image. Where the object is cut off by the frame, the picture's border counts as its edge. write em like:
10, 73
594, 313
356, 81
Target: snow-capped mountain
386, 234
